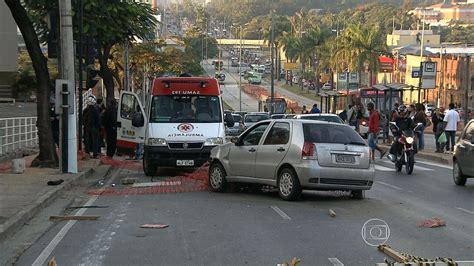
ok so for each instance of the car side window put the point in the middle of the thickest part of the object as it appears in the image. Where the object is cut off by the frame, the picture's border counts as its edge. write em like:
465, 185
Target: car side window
278, 135
469, 132
253, 136
129, 106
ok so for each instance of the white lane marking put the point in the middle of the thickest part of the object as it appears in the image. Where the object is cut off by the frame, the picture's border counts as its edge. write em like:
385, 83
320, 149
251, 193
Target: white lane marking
464, 210
383, 168
389, 185
335, 262
62, 233
156, 184
281, 213
418, 167
436, 164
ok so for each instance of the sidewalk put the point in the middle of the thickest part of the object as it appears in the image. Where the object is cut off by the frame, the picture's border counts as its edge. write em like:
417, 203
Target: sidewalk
22, 196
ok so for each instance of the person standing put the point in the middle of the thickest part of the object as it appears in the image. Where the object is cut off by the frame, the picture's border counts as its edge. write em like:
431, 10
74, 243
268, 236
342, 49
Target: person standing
91, 123
110, 125
101, 135
394, 114
315, 109
420, 117
352, 117
304, 111
438, 127
373, 132
452, 119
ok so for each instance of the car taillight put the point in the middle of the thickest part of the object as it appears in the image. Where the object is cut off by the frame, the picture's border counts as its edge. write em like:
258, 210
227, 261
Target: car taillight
309, 151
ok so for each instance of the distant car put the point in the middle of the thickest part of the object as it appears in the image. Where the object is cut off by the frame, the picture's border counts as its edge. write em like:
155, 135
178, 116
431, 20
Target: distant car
326, 87
320, 117
234, 130
293, 155
463, 156
251, 118
277, 116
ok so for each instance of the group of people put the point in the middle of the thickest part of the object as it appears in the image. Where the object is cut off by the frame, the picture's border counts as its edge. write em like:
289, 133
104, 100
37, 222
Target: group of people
99, 122
314, 110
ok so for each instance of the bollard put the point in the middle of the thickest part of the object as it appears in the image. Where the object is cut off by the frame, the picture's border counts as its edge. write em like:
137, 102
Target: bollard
18, 166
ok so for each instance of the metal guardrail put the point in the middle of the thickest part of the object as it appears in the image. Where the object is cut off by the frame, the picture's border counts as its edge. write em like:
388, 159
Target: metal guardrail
16, 133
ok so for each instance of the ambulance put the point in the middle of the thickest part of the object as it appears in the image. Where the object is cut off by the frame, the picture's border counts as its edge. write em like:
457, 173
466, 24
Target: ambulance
181, 121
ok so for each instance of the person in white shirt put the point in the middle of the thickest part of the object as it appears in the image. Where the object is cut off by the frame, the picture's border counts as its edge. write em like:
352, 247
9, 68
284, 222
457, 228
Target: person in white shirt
452, 119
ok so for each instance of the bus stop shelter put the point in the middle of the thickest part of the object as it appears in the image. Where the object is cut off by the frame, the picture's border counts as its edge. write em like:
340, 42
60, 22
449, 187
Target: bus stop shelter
385, 95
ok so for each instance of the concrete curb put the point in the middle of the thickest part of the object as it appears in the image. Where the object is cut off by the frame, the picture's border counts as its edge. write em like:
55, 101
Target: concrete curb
13, 224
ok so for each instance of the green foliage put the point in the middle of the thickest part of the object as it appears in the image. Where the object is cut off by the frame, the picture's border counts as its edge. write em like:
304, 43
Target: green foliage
195, 44
458, 33
25, 82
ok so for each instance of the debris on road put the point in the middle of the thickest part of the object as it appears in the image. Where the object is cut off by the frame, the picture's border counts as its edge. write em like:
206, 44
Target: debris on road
73, 217
113, 184
87, 207
407, 259
129, 180
293, 262
55, 182
433, 222
332, 213
160, 183
100, 183
397, 256
158, 226
18, 166
52, 262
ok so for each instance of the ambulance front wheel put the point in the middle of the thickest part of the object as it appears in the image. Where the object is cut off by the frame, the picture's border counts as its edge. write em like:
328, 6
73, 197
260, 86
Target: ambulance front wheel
150, 170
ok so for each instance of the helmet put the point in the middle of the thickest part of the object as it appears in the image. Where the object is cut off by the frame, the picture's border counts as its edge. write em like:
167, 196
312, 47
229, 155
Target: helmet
402, 108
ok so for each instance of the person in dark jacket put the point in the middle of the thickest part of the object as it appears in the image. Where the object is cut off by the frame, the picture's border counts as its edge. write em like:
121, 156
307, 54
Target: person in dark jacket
420, 117
91, 128
110, 125
438, 127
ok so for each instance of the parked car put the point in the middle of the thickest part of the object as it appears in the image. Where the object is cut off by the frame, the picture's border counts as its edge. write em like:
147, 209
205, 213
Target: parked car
463, 157
278, 116
251, 118
293, 155
234, 130
320, 117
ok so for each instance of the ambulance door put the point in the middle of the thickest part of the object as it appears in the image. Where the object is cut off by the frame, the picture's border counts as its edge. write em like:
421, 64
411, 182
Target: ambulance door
131, 123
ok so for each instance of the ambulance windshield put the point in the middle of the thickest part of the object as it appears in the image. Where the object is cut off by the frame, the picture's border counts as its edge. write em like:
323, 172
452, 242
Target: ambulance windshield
185, 108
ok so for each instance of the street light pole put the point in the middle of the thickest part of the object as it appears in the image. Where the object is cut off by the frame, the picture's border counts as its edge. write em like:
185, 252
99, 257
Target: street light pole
81, 55
240, 69
272, 83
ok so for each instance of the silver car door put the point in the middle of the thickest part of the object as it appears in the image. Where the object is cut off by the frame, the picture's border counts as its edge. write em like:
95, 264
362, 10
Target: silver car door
272, 150
243, 154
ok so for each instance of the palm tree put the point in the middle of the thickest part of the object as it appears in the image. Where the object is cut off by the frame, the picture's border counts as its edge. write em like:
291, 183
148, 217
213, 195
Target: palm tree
290, 46
312, 43
281, 24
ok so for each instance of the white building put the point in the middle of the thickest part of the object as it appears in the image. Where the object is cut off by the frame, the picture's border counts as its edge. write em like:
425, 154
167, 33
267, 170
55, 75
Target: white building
8, 51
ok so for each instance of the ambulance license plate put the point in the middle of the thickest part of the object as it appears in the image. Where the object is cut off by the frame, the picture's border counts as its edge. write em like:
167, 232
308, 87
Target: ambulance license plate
184, 162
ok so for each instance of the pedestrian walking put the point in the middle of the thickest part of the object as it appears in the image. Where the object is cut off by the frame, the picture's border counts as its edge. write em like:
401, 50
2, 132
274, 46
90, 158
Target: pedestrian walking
315, 109
373, 132
110, 125
420, 117
438, 127
304, 110
353, 116
452, 119
100, 109
91, 123
394, 114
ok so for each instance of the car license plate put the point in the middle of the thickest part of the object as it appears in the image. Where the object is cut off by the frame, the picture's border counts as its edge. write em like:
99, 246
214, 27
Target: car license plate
344, 158
184, 162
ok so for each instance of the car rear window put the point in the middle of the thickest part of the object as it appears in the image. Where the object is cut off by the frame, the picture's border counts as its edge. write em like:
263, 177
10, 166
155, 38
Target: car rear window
327, 133
333, 119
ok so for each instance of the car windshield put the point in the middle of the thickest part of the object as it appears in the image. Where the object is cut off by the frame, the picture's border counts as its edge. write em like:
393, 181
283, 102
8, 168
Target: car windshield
327, 118
330, 133
237, 118
185, 108
255, 118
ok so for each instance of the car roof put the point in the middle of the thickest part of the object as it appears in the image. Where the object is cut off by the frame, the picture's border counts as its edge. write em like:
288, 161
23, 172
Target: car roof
257, 113
302, 121
319, 114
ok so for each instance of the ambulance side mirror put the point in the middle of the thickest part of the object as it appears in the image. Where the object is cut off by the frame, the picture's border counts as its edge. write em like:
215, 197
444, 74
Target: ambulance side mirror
229, 120
138, 120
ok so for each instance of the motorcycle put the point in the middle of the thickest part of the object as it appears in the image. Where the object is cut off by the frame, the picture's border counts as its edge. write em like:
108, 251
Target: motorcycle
408, 143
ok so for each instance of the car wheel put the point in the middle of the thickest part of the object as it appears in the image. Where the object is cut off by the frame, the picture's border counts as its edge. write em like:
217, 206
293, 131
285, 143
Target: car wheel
358, 194
217, 177
288, 184
147, 168
459, 178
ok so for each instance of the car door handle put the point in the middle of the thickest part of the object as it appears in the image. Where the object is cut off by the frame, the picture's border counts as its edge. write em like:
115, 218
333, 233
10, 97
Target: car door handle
281, 149
252, 150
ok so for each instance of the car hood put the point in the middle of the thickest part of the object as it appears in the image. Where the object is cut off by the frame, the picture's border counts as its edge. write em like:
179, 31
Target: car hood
185, 131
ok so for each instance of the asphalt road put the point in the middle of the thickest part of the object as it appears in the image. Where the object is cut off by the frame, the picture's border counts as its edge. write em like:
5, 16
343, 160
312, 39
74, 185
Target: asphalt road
257, 228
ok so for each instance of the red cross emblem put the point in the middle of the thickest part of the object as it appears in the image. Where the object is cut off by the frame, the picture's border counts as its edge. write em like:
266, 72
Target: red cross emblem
185, 128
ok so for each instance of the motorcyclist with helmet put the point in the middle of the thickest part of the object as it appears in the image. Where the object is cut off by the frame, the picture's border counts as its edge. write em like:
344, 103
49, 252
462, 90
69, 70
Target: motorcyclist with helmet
404, 122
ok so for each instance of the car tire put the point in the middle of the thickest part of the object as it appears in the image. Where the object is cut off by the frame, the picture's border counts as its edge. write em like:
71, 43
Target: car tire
358, 194
398, 166
459, 178
217, 177
148, 169
288, 184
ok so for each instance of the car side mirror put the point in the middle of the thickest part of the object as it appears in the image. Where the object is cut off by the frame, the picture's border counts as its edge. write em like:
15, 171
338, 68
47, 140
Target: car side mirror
229, 120
138, 120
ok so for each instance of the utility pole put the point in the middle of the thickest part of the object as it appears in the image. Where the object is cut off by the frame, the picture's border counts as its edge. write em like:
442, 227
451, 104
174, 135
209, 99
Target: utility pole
68, 161
127, 67
272, 84
240, 69
420, 82
81, 55
467, 87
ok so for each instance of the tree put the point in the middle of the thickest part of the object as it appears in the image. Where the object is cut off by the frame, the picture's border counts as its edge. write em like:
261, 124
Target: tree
281, 24
47, 156
313, 40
